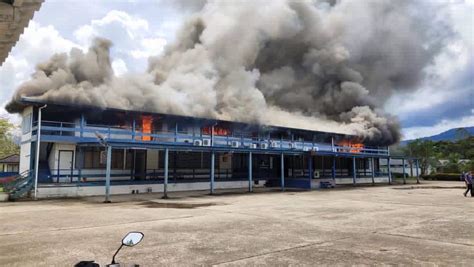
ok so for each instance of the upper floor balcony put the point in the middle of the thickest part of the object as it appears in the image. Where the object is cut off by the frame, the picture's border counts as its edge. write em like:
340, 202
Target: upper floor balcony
198, 137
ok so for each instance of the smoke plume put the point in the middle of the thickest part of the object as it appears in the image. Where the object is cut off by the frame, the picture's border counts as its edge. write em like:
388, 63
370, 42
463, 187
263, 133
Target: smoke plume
319, 65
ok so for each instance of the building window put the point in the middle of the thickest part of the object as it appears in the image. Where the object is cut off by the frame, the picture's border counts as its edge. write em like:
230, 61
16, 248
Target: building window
26, 124
95, 158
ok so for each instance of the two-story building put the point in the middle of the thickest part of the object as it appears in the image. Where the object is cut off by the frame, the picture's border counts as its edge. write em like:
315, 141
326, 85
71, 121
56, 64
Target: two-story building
161, 152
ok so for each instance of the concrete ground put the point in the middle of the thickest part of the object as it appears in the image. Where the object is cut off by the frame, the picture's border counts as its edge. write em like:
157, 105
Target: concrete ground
427, 224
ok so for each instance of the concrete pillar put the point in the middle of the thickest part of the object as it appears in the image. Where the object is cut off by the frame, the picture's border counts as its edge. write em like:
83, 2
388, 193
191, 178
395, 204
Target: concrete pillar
282, 172
417, 171
133, 129
250, 172
389, 171
404, 178
333, 168
107, 174
82, 124
354, 171
80, 163
372, 163
310, 167
165, 183
37, 150
213, 157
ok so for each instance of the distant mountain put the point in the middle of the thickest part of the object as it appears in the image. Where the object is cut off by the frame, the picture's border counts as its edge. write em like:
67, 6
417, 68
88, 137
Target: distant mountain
449, 135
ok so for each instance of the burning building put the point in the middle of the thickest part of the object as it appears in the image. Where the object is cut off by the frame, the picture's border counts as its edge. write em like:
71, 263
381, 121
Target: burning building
292, 97
83, 146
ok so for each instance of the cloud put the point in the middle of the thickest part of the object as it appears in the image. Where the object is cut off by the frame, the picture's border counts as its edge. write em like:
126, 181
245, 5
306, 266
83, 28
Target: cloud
447, 95
134, 40
149, 47
117, 24
119, 67
35, 45
443, 125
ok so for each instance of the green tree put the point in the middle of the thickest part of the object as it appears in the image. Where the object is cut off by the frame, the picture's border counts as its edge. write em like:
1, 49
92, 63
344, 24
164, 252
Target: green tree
425, 151
7, 145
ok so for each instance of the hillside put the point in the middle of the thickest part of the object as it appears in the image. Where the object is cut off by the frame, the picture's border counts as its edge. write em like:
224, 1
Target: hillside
449, 135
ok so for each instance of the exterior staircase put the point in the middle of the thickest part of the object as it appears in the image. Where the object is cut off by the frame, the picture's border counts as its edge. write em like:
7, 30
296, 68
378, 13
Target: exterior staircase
20, 186
44, 173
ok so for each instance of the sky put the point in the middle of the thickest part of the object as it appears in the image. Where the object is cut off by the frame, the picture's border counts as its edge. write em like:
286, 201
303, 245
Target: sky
140, 29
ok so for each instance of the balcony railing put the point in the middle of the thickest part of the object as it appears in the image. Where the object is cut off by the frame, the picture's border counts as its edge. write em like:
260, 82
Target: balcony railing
88, 133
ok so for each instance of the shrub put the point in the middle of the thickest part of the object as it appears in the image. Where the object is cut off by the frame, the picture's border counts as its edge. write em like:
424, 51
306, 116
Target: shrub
398, 175
443, 177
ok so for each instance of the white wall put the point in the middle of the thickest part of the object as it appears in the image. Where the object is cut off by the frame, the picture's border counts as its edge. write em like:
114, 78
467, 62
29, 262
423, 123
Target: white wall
53, 159
79, 191
25, 150
152, 158
25, 146
396, 166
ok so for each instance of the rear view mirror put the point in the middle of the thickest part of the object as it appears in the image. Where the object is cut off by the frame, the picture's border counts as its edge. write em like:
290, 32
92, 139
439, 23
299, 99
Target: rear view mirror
132, 238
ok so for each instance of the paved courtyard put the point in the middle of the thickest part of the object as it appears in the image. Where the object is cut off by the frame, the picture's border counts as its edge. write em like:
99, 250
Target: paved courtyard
425, 224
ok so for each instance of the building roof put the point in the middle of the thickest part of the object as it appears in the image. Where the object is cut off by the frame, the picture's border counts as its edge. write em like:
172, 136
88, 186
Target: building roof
25, 101
444, 162
14, 18
15, 158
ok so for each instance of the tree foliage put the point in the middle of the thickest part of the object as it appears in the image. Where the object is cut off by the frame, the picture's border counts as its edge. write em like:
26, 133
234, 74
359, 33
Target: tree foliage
424, 151
429, 152
7, 145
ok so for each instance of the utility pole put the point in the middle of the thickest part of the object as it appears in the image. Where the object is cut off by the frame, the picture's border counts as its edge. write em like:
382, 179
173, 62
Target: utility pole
103, 142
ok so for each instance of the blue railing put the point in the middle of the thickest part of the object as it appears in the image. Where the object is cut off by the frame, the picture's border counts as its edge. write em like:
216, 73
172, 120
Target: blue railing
178, 175
198, 175
118, 134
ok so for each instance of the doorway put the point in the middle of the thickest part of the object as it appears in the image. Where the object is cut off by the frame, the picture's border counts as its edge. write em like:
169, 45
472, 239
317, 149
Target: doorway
65, 164
140, 165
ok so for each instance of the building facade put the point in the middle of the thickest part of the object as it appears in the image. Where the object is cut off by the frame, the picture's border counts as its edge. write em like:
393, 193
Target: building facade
160, 152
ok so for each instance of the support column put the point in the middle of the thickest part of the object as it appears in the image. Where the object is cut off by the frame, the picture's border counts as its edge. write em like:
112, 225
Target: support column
354, 171
417, 171
80, 164
310, 169
404, 178
213, 156
250, 172
133, 130
82, 124
389, 171
37, 151
333, 170
282, 172
372, 163
176, 132
107, 174
165, 182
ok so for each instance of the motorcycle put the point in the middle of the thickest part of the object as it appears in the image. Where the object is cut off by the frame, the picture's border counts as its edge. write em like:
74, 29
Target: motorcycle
130, 240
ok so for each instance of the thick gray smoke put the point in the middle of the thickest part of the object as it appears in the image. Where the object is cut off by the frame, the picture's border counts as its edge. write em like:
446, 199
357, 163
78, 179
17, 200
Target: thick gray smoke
320, 65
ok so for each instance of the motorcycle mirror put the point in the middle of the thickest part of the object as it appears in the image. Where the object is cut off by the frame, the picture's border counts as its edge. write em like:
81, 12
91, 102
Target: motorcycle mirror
132, 238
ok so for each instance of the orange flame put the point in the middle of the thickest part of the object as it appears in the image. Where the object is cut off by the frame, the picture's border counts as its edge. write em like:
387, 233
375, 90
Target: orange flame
217, 131
147, 122
351, 147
